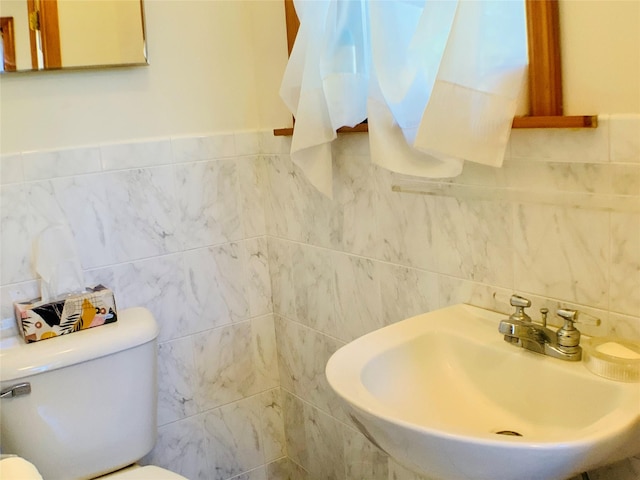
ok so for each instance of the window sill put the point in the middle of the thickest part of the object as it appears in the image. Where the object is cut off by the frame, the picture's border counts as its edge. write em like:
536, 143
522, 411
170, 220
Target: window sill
538, 121
575, 121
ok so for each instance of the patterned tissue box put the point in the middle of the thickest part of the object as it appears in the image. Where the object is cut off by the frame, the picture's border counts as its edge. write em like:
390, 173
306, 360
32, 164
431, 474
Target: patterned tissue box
39, 320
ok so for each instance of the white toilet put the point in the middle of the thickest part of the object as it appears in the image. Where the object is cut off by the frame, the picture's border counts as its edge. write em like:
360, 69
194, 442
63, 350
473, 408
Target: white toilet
89, 408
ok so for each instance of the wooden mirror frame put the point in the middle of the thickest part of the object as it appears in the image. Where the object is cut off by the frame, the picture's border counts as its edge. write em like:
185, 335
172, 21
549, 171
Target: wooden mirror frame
43, 51
545, 70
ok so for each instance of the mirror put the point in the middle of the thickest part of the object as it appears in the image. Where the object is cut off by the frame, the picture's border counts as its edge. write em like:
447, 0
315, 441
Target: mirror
60, 34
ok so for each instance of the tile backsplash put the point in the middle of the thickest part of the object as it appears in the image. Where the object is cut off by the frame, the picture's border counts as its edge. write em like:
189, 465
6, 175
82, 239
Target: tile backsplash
175, 225
559, 223
256, 278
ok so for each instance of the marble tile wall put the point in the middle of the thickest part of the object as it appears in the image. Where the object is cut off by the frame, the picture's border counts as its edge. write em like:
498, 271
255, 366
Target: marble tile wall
176, 225
256, 279
371, 256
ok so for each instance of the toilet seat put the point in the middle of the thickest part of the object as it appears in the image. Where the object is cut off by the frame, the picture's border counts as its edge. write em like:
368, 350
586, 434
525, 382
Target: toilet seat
150, 472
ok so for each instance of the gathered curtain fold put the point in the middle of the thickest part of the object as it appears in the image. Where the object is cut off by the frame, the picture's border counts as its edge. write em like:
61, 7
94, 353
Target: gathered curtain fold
438, 81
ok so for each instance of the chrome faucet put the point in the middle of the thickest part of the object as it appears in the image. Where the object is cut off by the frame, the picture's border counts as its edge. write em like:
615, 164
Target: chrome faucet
521, 331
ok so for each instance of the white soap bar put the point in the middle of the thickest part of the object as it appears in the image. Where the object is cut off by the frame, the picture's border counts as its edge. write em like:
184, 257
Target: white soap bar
616, 350
16, 468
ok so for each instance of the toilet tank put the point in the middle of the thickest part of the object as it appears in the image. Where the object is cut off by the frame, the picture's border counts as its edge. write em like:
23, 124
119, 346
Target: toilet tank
92, 405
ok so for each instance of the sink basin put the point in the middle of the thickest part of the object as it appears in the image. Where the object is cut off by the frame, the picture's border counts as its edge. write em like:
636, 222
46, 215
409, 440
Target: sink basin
445, 396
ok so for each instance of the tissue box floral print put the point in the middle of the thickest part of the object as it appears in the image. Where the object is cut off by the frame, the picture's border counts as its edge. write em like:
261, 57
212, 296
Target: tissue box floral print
39, 320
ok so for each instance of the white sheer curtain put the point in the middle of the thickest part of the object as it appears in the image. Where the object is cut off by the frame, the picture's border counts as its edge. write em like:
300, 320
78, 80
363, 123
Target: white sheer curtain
438, 81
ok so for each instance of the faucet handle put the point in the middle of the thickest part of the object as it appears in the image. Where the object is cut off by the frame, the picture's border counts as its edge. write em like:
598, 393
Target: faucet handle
568, 335
520, 303
567, 315
572, 316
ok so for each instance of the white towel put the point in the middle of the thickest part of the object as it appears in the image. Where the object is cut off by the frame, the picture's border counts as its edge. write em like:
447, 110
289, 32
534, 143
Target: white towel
440, 81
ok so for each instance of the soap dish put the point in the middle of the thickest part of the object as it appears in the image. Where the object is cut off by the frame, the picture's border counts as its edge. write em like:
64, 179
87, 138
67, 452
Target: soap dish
612, 358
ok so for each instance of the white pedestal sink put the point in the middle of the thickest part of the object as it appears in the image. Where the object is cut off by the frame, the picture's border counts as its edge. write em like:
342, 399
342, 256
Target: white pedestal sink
445, 396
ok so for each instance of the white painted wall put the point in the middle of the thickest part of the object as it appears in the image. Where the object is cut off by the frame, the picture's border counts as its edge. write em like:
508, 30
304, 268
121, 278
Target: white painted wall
205, 75
216, 66
600, 41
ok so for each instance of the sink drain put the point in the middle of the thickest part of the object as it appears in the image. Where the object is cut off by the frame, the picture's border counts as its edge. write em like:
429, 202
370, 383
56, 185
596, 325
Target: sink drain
508, 432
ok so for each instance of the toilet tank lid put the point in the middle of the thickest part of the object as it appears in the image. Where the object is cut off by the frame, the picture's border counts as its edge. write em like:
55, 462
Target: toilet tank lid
135, 326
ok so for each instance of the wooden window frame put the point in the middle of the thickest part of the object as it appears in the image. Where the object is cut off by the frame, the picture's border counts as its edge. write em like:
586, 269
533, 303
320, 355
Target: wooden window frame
545, 70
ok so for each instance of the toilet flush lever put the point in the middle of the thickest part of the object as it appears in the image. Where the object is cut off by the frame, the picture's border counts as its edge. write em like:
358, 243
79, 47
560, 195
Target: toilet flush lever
16, 390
